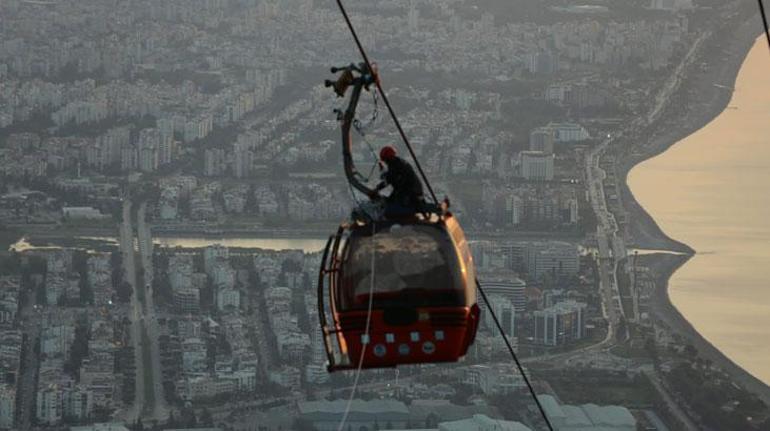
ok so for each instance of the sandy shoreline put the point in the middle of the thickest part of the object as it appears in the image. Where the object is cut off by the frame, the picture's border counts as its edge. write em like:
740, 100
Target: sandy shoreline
703, 101
664, 266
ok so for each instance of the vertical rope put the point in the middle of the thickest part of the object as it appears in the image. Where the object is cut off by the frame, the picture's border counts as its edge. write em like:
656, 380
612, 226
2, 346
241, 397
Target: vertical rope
366, 331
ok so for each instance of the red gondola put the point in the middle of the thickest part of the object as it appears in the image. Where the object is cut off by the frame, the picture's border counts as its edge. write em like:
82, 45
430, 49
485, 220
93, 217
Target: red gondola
411, 279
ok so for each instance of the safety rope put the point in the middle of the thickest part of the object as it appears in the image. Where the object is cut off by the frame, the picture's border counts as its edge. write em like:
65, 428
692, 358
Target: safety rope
361, 127
375, 163
360, 205
513, 355
764, 21
366, 332
387, 102
362, 131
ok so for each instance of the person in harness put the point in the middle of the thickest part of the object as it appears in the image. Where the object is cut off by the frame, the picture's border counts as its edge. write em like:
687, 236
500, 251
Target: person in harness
407, 195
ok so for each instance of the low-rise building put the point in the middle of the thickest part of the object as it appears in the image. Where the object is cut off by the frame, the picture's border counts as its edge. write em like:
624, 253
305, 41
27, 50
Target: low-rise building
482, 423
228, 298
325, 415
587, 416
195, 388
7, 406
187, 300
82, 213
551, 258
285, 376
536, 165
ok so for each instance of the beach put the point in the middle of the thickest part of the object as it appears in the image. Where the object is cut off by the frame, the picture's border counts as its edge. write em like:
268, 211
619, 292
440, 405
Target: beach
704, 94
699, 101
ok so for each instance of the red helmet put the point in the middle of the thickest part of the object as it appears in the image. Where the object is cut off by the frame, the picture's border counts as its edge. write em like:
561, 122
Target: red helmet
387, 153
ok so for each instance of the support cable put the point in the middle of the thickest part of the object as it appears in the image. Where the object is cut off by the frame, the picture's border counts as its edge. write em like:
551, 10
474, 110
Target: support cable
387, 102
764, 21
513, 355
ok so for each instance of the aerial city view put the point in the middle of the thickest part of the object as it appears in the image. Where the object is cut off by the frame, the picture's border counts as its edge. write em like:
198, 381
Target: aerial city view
363, 215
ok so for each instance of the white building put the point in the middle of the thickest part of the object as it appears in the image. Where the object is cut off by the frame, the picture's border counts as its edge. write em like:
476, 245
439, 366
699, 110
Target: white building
169, 203
187, 300
228, 297
286, 376
57, 339
49, 405
508, 286
551, 258
205, 387
542, 139
212, 255
148, 152
560, 324
568, 132
672, 5
514, 206
99, 277
536, 165
317, 374
82, 213
194, 356
7, 406
243, 380
506, 314
214, 162
292, 345
180, 271
77, 402
493, 379
222, 274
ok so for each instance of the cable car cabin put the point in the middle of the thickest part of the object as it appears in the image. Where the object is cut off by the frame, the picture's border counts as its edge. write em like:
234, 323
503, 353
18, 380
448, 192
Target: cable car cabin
418, 277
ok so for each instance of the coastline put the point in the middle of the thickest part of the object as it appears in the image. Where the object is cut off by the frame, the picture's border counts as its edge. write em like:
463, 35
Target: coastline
704, 101
664, 266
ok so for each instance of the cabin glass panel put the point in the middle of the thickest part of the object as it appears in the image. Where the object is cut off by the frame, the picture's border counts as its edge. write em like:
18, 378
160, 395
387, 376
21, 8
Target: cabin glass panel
414, 265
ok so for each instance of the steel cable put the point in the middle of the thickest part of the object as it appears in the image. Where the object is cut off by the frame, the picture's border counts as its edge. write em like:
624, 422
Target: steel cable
387, 102
433, 195
515, 358
764, 21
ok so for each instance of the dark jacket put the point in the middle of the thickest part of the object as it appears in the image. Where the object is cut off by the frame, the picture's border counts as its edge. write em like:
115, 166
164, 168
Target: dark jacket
407, 188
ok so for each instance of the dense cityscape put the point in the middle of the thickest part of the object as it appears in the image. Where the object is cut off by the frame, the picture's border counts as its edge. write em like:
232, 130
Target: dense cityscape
124, 124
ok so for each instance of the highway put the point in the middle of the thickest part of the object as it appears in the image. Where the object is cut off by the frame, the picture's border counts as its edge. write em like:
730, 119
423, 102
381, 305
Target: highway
149, 402
663, 98
159, 409
612, 248
129, 270
31, 326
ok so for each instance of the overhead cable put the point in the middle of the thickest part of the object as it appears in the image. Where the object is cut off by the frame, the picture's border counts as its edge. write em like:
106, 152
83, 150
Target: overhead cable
764, 21
387, 102
515, 358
